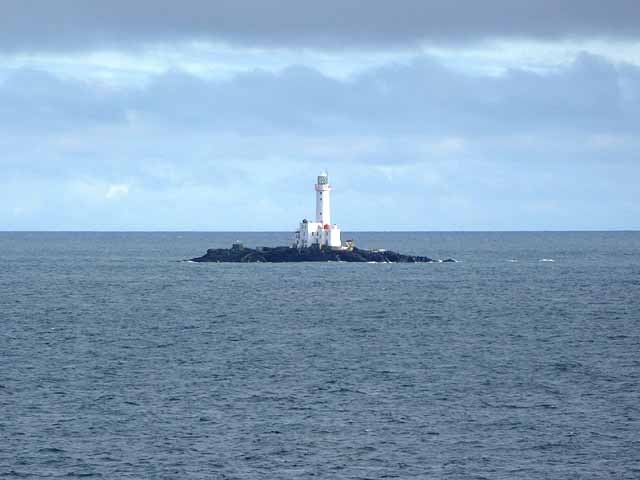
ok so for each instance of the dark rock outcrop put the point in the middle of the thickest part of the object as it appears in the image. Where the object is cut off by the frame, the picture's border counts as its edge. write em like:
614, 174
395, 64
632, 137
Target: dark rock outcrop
241, 254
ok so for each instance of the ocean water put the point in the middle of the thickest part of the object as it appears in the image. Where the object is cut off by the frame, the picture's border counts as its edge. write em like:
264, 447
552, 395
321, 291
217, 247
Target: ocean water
117, 361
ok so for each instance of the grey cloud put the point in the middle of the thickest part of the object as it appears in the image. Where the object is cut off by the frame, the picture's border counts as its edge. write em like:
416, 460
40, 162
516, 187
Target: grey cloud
422, 98
36, 100
31, 25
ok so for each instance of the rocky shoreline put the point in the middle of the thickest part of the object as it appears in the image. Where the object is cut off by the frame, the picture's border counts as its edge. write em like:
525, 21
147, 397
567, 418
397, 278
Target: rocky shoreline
240, 254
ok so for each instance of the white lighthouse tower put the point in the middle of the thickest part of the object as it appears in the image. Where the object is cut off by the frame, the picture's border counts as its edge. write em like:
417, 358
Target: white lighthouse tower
323, 200
320, 233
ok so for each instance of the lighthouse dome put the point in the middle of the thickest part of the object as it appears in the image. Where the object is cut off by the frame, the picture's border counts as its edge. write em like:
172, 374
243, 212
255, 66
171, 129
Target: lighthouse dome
323, 178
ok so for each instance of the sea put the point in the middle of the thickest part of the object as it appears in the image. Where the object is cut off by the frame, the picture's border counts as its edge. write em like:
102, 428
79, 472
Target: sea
118, 360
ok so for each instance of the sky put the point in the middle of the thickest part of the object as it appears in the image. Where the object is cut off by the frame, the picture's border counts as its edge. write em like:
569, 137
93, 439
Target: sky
218, 115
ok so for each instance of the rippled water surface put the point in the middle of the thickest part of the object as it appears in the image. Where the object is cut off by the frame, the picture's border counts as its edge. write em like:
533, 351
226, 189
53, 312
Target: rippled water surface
117, 361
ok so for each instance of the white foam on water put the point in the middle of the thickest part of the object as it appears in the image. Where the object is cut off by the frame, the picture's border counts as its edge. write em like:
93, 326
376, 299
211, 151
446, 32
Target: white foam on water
547, 260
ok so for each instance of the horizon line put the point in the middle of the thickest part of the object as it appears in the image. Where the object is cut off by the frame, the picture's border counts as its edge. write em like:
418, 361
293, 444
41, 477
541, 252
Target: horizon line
622, 230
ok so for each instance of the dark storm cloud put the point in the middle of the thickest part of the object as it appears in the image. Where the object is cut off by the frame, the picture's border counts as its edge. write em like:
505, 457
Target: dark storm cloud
71, 24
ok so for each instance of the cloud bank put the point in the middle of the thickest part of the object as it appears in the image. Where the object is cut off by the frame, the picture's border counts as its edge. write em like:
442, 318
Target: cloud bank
31, 25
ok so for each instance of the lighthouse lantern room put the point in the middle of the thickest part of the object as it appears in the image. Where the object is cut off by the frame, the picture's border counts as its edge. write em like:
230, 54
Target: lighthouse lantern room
320, 233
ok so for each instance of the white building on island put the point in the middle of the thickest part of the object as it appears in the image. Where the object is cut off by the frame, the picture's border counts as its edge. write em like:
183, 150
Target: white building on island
320, 233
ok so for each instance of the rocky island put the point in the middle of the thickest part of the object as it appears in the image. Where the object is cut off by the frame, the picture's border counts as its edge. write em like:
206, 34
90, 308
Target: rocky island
317, 241
241, 254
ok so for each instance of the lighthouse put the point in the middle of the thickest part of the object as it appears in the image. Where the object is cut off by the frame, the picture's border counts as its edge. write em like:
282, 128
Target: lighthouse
321, 233
323, 200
